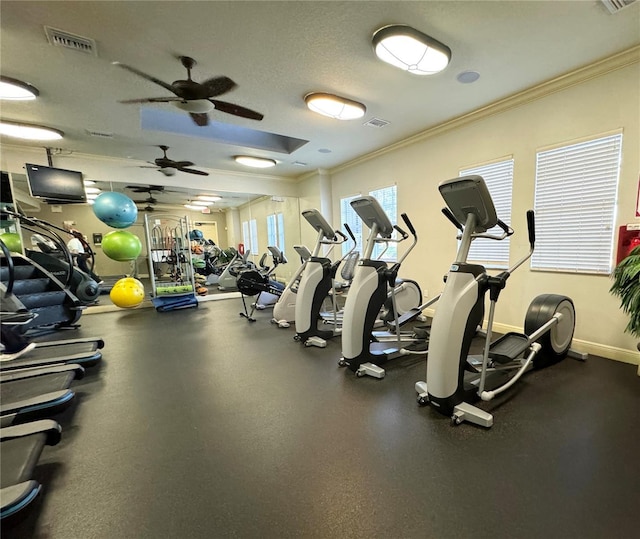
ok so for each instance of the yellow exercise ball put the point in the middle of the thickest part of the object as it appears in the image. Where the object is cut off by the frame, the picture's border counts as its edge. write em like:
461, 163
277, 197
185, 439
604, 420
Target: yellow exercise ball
127, 293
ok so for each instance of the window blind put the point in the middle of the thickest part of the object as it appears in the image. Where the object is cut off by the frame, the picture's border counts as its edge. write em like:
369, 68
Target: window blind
575, 199
499, 180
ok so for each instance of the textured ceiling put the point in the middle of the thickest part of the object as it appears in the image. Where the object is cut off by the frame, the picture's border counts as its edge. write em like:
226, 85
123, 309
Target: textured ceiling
277, 52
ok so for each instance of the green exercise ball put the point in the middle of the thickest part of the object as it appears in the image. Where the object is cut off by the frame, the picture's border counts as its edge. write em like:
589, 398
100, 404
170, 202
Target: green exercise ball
12, 241
121, 245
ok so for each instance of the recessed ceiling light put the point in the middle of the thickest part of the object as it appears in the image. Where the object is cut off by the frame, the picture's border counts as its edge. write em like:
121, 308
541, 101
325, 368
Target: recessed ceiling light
89, 182
411, 50
209, 198
193, 208
467, 77
17, 90
29, 132
201, 203
334, 106
92, 190
255, 162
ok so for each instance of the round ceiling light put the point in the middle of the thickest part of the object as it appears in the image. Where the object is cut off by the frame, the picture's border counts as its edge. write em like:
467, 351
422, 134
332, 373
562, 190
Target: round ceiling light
411, 50
334, 106
255, 162
195, 106
29, 132
16, 90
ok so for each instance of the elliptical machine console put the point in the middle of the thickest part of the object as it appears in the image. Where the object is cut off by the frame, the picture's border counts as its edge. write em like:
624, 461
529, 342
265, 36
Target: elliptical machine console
455, 379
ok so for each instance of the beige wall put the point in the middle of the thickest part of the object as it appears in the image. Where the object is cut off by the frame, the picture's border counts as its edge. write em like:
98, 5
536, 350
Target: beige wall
289, 207
595, 106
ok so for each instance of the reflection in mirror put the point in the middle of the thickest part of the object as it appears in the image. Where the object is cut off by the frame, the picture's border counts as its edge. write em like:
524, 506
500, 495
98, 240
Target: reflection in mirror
221, 221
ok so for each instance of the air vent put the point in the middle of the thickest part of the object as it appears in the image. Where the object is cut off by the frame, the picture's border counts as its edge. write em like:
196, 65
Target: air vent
616, 5
60, 38
376, 122
98, 134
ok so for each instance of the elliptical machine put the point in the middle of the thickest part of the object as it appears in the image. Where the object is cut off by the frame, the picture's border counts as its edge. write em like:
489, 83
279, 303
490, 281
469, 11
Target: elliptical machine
370, 288
453, 378
316, 281
284, 311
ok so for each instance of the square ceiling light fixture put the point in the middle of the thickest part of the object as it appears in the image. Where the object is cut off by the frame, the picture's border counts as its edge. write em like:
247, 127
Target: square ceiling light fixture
411, 50
16, 90
334, 106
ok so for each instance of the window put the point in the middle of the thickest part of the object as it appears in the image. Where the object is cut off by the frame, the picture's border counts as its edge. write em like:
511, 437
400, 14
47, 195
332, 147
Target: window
250, 236
575, 200
388, 200
275, 230
499, 179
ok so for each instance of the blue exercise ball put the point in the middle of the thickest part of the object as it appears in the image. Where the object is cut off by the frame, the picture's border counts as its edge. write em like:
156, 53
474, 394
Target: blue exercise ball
115, 209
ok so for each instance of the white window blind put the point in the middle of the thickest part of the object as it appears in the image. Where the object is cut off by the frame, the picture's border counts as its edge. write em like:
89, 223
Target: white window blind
387, 197
575, 199
499, 180
250, 236
275, 230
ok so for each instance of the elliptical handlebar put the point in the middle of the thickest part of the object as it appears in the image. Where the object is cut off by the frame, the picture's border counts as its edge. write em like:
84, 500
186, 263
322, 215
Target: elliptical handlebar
401, 232
349, 231
449, 215
409, 224
531, 226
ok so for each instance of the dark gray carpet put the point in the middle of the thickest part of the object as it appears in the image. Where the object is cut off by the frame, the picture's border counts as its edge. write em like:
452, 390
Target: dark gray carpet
201, 424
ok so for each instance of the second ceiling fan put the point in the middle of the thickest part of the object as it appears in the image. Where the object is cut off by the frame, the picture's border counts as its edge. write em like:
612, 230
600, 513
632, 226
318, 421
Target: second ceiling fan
195, 97
168, 166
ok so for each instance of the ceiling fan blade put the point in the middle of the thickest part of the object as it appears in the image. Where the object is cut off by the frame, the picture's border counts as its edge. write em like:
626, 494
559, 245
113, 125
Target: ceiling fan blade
218, 85
181, 164
200, 119
145, 76
193, 171
151, 100
236, 110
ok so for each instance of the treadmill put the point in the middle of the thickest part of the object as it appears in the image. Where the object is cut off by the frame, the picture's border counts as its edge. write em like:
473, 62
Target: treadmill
31, 393
20, 449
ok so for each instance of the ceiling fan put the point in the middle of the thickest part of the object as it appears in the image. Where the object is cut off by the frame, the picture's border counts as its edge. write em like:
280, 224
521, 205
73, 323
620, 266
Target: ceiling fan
195, 97
168, 166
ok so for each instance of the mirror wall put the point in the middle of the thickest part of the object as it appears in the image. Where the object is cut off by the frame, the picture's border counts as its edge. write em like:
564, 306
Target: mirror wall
221, 222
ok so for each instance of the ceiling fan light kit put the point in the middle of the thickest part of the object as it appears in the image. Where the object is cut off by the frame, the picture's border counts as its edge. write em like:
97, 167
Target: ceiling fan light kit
255, 162
29, 131
195, 106
407, 48
16, 90
334, 106
196, 98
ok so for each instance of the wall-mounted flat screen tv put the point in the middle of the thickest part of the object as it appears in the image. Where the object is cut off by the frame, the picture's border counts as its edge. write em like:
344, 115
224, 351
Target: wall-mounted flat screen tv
55, 184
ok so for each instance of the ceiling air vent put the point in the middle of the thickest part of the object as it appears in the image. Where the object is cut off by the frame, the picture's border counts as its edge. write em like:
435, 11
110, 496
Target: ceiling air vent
98, 134
60, 38
376, 122
616, 5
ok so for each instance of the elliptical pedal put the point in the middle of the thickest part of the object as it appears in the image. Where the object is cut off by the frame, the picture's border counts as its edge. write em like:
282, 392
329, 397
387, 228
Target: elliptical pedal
509, 347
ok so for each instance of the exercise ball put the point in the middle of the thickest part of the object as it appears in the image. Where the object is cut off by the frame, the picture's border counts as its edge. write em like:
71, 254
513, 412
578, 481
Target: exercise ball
115, 209
121, 245
12, 241
127, 293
